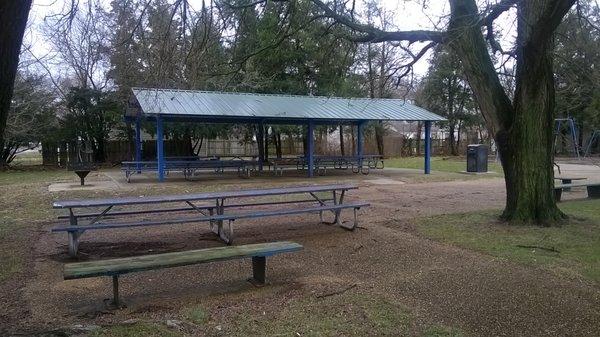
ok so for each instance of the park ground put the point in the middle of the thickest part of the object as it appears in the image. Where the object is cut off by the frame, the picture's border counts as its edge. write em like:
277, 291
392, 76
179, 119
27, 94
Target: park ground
430, 258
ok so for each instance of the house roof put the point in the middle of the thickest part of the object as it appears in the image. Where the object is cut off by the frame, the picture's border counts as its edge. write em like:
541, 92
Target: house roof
224, 106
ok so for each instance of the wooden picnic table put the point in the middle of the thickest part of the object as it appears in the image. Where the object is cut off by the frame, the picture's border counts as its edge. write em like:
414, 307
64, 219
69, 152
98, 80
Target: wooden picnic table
198, 204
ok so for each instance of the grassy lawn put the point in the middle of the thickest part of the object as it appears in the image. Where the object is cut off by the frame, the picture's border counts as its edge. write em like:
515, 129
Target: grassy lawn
572, 249
24, 201
442, 164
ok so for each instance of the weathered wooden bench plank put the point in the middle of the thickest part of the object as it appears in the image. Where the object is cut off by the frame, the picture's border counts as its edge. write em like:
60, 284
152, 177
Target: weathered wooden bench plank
166, 260
116, 267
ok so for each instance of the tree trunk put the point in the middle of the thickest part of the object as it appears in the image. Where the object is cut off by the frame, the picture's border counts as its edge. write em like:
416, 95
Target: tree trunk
342, 149
523, 130
278, 145
452, 140
418, 139
353, 138
379, 131
13, 20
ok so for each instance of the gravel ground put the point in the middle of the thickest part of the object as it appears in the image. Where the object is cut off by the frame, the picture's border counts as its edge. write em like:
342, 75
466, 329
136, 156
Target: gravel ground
386, 258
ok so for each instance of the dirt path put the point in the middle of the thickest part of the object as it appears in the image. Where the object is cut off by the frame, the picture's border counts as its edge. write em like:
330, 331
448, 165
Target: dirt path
438, 283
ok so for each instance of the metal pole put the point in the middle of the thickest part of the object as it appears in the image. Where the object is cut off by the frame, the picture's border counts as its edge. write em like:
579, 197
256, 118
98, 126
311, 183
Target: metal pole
574, 136
160, 154
138, 143
311, 148
427, 147
360, 143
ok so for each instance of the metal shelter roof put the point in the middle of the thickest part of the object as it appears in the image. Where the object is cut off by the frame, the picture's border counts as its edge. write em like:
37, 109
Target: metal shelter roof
224, 106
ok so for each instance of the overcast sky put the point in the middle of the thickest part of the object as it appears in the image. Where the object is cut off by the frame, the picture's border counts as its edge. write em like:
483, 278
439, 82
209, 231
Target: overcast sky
407, 15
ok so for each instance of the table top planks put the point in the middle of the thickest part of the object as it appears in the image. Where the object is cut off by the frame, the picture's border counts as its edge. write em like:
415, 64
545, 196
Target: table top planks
199, 196
125, 265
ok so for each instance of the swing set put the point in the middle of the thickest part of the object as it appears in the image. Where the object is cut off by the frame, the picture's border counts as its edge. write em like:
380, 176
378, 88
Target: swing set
571, 135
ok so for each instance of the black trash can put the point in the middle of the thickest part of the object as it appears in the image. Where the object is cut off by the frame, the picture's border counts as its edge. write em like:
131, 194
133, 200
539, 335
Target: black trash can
477, 158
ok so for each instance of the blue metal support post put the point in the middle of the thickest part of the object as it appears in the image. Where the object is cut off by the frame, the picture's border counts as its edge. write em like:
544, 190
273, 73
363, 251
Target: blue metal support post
160, 153
427, 147
260, 141
138, 143
311, 148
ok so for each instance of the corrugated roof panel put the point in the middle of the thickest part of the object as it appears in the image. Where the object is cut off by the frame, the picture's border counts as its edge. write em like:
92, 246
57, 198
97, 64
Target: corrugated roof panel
242, 105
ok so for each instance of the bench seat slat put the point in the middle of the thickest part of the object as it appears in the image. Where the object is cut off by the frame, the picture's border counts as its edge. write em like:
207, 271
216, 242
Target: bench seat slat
157, 261
576, 185
187, 209
209, 218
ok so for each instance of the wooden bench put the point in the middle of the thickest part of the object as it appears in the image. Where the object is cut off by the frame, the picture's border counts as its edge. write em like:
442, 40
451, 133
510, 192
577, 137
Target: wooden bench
116, 267
593, 189
213, 213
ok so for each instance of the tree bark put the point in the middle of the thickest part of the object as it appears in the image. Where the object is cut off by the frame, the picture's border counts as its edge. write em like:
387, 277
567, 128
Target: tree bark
523, 130
13, 21
379, 131
342, 149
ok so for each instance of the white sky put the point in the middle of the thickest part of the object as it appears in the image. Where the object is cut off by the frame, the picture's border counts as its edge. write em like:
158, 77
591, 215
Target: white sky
407, 15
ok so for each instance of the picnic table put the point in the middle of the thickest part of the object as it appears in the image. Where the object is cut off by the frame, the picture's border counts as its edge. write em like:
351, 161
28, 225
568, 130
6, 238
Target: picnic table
190, 167
204, 207
358, 164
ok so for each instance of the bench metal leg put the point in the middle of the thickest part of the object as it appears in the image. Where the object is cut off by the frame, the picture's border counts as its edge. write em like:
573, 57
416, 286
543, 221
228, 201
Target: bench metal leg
220, 210
557, 194
353, 225
593, 192
213, 226
338, 202
73, 243
226, 234
259, 264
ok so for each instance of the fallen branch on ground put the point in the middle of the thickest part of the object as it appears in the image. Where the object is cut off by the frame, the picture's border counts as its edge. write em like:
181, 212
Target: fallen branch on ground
551, 249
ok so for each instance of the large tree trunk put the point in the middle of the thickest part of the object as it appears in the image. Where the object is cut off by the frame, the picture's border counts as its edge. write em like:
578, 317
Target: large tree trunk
13, 20
452, 140
379, 133
523, 130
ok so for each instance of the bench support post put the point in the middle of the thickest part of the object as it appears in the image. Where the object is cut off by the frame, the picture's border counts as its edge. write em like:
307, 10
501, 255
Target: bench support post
115, 281
557, 194
259, 264
593, 192
73, 236
73, 243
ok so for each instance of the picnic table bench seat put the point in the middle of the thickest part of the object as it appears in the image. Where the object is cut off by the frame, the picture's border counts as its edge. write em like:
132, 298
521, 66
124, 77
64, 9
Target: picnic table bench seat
593, 189
119, 266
